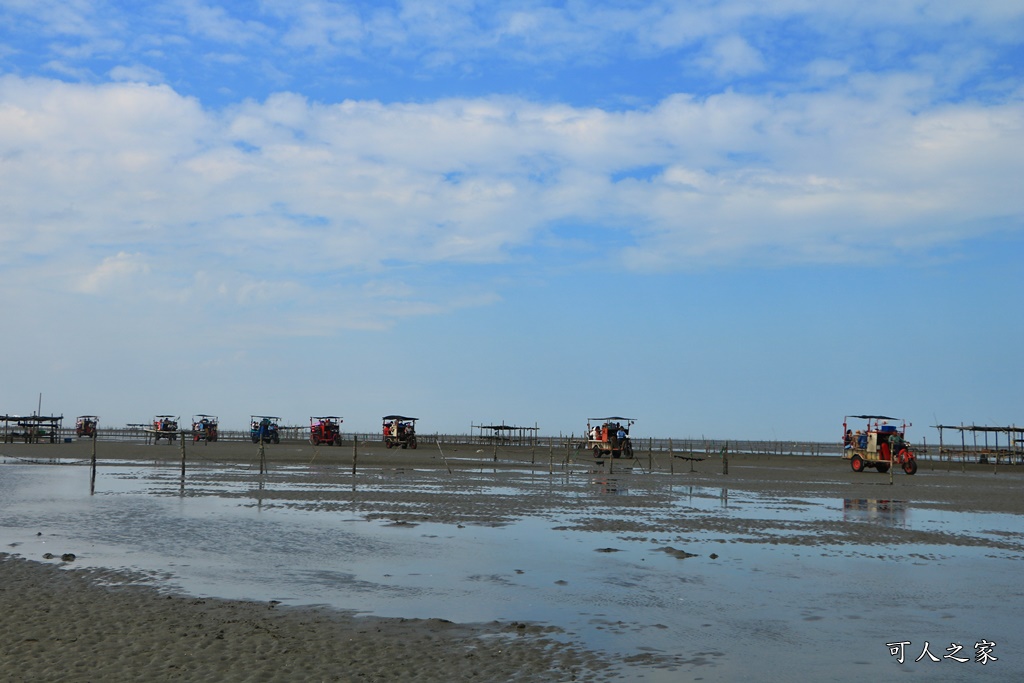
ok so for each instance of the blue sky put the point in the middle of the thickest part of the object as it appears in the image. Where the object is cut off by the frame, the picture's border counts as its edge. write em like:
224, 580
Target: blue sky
735, 219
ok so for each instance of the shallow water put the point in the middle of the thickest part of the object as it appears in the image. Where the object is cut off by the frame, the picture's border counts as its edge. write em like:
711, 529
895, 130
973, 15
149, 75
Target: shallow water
597, 555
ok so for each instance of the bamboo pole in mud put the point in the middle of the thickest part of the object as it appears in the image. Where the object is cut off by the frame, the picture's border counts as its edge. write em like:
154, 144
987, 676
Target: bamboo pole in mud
551, 457
725, 458
92, 477
650, 454
444, 459
963, 449
671, 459
263, 457
355, 453
183, 458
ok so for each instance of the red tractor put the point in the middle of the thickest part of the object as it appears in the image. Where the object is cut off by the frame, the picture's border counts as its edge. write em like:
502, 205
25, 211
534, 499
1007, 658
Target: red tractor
325, 430
85, 426
879, 445
204, 428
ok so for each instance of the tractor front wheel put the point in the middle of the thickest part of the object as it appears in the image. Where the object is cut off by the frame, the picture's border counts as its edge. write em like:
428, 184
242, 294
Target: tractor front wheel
412, 444
857, 463
910, 467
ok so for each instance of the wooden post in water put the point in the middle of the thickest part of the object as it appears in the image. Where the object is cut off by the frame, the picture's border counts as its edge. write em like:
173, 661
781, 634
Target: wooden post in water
355, 453
671, 459
725, 458
444, 459
551, 457
92, 479
650, 454
263, 456
183, 458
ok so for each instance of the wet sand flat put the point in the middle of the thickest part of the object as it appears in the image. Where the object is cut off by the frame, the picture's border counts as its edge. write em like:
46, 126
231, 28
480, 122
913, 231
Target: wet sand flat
642, 571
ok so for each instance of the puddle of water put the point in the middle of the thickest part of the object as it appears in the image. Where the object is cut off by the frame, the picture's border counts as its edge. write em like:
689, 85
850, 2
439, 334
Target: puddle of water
814, 610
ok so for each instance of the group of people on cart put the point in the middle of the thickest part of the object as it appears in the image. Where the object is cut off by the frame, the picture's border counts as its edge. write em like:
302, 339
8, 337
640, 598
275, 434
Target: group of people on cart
613, 432
399, 431
397, 428
165, 424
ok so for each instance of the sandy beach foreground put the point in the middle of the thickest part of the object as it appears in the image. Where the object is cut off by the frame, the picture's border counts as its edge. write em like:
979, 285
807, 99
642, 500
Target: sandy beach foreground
62, 623
67, 626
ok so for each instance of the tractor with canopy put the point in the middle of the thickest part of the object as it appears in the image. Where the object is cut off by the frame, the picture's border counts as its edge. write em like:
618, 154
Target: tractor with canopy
880, 444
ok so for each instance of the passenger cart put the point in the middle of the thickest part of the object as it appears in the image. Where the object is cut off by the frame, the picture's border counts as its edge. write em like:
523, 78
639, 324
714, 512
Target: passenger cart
85, 426
609, 436
399, 431
164, 427
325, 429
204, 428
264, 428
879, 445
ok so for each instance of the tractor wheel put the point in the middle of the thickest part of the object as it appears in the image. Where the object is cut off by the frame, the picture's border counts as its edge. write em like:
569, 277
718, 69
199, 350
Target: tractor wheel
910, 466
882, 467
412, 444
277, 439
857, 463
597, 452
337, 440
404, 445
388, 444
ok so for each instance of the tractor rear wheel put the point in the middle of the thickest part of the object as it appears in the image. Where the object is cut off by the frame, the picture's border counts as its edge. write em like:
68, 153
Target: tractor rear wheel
857, 463
412, 444
882, 467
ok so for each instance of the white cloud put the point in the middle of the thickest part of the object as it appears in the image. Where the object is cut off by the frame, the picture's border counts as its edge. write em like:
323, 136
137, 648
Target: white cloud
213, 21
732, 56
136, 74
117, 271
278, 203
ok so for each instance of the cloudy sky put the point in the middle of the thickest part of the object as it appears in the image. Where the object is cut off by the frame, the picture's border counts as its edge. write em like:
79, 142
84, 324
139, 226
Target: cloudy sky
736, 219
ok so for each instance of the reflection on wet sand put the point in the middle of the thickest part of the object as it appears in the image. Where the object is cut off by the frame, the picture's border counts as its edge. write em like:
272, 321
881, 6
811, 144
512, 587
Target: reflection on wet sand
891, 512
